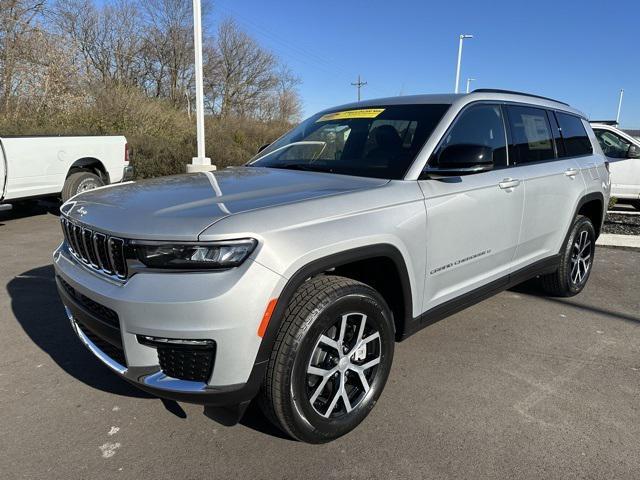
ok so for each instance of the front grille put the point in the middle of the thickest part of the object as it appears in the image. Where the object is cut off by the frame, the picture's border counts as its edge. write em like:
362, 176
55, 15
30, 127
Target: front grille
98, 251
98, 310
186, 362
107, 348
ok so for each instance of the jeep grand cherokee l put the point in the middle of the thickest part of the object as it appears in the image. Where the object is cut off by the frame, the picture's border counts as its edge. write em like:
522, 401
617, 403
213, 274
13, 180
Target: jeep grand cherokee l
290, 279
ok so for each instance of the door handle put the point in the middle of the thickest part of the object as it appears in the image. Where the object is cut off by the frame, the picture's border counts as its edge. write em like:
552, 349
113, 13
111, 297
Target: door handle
509, 183
571, 172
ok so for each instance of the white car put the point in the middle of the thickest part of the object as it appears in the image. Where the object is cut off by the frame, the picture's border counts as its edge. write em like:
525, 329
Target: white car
39, 166
623, 152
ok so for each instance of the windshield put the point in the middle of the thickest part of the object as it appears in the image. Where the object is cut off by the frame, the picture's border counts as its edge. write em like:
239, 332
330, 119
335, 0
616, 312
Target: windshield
379, 142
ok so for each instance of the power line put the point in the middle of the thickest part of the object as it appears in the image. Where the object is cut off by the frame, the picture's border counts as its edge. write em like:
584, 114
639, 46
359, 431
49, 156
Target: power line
359, 84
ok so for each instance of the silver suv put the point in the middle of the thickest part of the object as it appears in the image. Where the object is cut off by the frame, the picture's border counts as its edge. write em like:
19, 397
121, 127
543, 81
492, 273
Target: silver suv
291, 278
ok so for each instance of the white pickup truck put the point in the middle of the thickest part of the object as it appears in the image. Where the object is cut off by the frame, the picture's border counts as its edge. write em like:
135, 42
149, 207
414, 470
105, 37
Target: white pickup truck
39, 166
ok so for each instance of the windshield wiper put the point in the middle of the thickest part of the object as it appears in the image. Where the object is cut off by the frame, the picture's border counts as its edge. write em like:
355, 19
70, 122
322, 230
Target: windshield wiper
307, 167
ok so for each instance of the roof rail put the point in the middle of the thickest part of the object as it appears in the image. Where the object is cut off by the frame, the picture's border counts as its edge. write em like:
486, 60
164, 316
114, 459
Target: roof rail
496, 90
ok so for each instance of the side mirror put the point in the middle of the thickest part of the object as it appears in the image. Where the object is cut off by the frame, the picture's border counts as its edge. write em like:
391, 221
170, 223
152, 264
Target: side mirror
633, 152
263, 147
462, 159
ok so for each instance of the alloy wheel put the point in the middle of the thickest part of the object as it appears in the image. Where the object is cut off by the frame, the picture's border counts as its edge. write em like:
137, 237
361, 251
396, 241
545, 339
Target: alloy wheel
343, 365
581, 258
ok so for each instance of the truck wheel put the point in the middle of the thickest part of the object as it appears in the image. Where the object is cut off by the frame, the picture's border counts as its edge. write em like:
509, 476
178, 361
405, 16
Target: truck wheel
576, 261
80, 182
331, 359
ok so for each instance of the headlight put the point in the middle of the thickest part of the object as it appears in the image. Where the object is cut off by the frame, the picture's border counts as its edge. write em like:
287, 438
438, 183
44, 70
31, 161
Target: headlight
190, 256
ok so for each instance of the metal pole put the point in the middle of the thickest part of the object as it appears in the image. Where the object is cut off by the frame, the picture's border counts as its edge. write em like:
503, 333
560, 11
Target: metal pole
462, 37
469, 80
201, 159
619, 106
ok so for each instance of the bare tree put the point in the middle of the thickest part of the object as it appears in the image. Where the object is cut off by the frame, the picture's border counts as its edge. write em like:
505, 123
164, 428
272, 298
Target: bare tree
18, 31
168, 48
107, 39
243, 72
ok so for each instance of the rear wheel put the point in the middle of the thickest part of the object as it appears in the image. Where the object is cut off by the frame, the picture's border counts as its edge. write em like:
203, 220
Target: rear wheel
331, 359
79, 182
576, 261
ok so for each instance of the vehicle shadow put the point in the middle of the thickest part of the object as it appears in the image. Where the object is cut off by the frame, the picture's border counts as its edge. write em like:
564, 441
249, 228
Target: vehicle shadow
37, 307
30, 208
533, 288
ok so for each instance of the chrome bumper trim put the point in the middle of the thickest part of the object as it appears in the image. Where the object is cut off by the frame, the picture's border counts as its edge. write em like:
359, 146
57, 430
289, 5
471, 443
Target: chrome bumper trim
107, 360
161, 381
156, 380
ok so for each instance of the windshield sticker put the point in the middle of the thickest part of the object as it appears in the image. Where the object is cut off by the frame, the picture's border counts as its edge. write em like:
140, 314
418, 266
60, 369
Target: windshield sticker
348, 114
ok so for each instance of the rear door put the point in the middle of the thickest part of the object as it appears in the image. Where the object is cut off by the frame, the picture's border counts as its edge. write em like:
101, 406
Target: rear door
552, 182
473, 220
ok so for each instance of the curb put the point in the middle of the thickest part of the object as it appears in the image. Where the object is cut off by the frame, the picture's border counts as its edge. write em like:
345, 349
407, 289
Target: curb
627, 242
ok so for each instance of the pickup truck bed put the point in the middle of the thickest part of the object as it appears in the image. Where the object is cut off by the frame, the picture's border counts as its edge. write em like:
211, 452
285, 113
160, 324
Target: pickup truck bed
36, 166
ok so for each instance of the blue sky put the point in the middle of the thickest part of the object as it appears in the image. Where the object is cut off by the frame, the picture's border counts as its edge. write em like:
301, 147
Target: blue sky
581, 52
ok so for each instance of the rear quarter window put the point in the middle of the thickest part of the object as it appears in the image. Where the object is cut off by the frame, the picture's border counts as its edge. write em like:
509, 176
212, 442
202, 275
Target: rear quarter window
575, 138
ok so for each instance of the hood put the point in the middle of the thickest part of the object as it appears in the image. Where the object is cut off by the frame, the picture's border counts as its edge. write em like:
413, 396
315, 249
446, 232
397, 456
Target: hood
180, 207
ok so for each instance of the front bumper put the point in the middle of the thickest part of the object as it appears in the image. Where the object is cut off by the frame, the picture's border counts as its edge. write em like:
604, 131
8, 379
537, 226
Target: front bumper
225, 307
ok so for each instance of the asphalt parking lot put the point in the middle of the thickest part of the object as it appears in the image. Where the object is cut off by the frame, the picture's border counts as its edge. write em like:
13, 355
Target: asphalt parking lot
519, 386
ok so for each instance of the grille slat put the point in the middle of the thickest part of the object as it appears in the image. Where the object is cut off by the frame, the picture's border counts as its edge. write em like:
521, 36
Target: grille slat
103, 253
87, 237
116, 252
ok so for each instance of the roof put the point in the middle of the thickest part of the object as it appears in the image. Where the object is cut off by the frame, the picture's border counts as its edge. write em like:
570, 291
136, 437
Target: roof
463, 98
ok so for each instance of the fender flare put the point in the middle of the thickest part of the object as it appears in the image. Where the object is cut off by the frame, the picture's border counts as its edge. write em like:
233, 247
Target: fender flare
583, 201
323, 264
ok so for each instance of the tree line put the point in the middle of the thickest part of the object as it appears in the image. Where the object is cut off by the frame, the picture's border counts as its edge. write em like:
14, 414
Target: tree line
126, 66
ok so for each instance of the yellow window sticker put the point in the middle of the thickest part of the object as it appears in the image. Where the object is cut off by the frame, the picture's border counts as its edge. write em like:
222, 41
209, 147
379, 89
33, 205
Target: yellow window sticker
348, 114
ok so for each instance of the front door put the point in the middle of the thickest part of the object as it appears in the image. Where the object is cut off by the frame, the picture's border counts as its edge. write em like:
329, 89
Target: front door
473, 221
625, 172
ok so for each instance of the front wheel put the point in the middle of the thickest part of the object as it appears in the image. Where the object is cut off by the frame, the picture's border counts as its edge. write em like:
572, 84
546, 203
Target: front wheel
331, 359
576, 261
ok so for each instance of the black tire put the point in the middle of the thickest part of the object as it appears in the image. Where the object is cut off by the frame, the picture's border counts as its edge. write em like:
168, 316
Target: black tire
570, 279
636, 204
316, 309
80, 182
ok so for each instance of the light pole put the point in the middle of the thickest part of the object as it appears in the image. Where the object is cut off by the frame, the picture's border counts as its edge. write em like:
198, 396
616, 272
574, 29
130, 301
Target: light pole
619, 106
201, 162
462, 38
469, 80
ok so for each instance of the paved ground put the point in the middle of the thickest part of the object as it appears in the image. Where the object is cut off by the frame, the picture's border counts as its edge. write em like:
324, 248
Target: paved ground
516, 387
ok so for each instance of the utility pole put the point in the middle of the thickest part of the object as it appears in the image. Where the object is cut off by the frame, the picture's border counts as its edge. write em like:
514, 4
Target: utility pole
619, 106
462, 39
201, 162
359, 84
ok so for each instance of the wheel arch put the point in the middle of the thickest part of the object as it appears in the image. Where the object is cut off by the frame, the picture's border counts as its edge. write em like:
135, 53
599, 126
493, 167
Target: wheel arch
92, 165
592, 206
355, 263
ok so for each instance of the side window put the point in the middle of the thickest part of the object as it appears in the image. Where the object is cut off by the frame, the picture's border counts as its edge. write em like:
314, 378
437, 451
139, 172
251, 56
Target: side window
482, 125
576, 140
531, 134
612, 145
